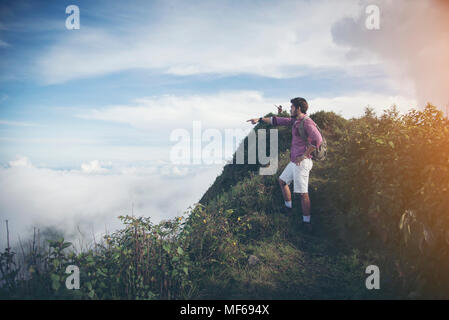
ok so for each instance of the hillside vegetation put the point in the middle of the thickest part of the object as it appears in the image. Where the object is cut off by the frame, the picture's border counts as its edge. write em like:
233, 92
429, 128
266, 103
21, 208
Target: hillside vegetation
380, 198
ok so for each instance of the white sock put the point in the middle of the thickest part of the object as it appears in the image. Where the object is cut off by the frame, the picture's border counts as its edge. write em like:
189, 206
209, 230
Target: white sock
288, 204
306, 219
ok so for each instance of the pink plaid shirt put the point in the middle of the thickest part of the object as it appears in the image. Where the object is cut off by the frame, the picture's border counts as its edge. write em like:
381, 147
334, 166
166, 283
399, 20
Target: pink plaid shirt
299, 146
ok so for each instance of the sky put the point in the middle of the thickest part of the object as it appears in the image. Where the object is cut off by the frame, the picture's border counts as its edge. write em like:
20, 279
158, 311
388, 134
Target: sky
86, 114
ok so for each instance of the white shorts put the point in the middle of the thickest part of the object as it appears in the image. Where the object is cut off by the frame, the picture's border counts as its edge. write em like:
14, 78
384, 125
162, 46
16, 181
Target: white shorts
298, 174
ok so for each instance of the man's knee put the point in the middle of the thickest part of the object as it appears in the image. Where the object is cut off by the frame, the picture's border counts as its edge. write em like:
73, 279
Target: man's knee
303, 195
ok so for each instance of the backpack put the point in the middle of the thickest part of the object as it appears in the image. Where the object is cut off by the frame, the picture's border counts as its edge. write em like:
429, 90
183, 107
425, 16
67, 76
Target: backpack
319, 153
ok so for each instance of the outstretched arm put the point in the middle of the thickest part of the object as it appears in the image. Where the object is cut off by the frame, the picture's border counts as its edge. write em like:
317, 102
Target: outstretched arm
254, 121
282, 121
275, 121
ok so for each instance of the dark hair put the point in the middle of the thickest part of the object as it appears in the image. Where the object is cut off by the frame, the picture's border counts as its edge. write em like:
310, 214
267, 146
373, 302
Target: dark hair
300, 103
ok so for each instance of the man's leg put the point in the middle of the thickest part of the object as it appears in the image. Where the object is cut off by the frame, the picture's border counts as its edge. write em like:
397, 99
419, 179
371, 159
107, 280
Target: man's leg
285, 190
284, 180
305, 205
301, 180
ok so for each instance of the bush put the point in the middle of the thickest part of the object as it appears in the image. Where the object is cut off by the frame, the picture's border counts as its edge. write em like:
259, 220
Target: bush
390, 180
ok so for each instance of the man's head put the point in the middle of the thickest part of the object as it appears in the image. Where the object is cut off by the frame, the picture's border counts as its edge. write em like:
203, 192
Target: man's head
298, 105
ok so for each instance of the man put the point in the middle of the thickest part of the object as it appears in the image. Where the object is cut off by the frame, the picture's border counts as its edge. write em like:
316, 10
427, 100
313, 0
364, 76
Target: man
300, 155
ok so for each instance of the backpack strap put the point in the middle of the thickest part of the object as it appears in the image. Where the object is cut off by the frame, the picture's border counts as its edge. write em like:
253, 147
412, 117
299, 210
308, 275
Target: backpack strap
320, 152
302, 131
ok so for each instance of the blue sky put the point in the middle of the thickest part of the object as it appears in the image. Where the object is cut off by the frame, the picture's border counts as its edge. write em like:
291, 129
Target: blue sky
106, 97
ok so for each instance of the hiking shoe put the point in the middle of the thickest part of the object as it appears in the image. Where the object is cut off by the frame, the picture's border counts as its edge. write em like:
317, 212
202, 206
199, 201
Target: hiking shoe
286, 210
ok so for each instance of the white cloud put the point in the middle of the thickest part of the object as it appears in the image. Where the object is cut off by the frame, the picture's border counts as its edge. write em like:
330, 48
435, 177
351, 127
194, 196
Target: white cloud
180, 171
16, 123
43, 197
276, 39
161, 113
93, 167
20, 162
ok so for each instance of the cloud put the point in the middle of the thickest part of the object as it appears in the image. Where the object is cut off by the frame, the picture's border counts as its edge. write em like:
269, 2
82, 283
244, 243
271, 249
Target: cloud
277, 39
92, 198
20, 162
93, 167
412, 43
160, 113
15, 123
